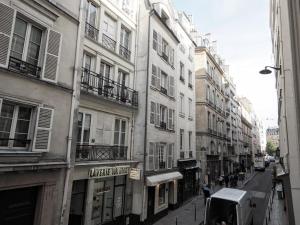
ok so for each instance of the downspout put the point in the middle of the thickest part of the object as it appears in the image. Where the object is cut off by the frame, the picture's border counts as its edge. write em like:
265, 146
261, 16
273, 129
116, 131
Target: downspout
71, 121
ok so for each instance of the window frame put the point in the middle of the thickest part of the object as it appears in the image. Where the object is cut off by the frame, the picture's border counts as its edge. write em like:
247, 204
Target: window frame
81, 141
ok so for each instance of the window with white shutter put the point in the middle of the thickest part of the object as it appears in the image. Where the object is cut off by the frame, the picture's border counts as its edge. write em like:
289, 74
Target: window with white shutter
154, 75
171, 119
171, 86
43, 129
158, 78
50, 70
156, 156
152, 112
154, 40
170, 156
159, 44
151, 156
7, 17
157, 115
171, 57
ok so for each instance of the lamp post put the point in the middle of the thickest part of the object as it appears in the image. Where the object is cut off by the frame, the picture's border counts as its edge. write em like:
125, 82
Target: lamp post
267, 71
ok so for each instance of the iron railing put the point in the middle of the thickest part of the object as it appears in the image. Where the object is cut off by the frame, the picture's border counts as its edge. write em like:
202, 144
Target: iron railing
108, 42
125, 53
4, 142
163, 125
20, 66
165, 57
100, 152
91, 31
163, 90
162, 165
99, 85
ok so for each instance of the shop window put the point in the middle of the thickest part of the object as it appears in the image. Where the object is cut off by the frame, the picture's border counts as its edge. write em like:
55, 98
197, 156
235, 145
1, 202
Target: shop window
161, 194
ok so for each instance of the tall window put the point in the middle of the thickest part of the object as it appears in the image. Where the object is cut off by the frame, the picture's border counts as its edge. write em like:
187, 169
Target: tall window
208, 120
162, 194
106, 70
125, 37
155, 36
190, 79
14, 125
91, 13
120, 132
164, 81
163, 116
26, 42
181, 140
109, 27
165, 50
214, 122
190, 140
161, 156
84, 128
207, 93
190, 108
182, 104
181, 71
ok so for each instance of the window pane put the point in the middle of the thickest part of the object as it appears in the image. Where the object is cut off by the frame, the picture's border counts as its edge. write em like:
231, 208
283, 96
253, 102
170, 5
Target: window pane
22, 126
36, 35
92, 15
7, 110
20, 140
5, 124
123, 126
20, 28
80, 115
3, 137
17, 46
86, 132
24, 113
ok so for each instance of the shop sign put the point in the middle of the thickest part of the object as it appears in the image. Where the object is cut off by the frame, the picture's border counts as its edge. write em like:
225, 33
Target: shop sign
100, 172
135, 174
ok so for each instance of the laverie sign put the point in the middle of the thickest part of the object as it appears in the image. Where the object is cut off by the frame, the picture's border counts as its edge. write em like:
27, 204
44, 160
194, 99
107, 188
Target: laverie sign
100, 172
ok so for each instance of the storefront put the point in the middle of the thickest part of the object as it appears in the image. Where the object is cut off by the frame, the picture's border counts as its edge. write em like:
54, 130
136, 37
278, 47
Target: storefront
187, 187
213, 168
102, 197
162, 194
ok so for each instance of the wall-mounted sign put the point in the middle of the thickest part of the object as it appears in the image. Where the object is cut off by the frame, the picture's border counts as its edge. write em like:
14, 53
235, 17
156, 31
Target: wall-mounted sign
99, 172
135, 174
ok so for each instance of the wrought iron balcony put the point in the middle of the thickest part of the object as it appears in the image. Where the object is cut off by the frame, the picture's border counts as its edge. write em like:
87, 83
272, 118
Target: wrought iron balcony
99, 85
91, 31
163, 90
163, 125
108, 42
100, 152
165, 57
125, 53
23, 67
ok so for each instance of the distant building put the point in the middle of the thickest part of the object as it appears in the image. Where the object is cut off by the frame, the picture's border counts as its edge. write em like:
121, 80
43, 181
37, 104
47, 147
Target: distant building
272, 135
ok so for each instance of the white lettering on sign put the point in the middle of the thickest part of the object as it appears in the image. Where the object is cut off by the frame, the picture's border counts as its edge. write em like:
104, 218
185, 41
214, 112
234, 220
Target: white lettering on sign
99, 172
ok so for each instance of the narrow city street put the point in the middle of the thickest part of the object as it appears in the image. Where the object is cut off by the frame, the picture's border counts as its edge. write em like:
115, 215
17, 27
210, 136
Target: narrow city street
260, 186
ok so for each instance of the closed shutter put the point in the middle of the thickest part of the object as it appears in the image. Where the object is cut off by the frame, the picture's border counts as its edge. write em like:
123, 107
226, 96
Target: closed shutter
173, 119
154, 40
42, 137
154, 76
156, 156
159, 44
151, 156
171, 85
170, 156
157, 115
171, 59
170, 119
7, 18
152, 112
158, 78
50, 69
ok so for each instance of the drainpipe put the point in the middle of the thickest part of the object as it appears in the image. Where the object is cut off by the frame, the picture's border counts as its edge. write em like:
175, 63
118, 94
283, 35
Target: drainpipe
71, 121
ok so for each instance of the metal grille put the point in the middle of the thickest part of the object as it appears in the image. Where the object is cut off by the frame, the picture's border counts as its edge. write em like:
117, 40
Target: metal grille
108, 42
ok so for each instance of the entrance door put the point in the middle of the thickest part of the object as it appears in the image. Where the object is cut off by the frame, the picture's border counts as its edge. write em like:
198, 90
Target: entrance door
151, 202
77, 202
17, 206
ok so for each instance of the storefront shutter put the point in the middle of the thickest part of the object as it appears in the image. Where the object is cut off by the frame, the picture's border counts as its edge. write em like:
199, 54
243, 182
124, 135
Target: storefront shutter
156, 156
152, 113
50, 69
42, 137
7, 18
158, 78
151, 156
159, 44
154, 76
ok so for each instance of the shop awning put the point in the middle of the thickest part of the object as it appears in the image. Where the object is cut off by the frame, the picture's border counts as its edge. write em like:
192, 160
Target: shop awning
163, 178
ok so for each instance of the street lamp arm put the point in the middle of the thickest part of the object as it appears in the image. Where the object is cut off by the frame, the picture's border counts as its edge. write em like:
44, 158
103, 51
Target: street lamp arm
267, 71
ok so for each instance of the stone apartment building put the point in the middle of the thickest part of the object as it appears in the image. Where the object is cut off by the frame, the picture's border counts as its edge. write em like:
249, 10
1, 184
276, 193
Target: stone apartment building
210, 110
100, 190
272, 135
39, 46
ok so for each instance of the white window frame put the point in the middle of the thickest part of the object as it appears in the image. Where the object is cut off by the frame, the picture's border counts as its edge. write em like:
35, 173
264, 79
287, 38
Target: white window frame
89, 4
182, 104
82, 128
121, 132
181, 140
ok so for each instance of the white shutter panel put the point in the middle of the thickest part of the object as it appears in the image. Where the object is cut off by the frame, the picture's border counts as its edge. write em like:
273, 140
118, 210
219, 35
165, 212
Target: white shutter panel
50, 69
159, 44
157, 116
154, 76
151, 156
156, 156
158, 78
42, 136
7, 18
172, 84
152, 112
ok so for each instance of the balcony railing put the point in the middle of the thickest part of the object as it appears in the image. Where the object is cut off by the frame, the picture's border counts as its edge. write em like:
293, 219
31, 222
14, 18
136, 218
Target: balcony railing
5, 142
100, 152
163, 90
165, 57
97, 84
24, 67
125, 53
91, 31
163, 125
108, 42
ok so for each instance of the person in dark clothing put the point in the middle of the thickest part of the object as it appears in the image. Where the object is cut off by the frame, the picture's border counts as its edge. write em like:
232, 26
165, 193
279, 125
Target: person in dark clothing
226, 179
206, 193
231, 180
235, 178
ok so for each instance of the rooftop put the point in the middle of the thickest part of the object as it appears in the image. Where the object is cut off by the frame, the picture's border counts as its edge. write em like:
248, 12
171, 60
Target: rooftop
229, 194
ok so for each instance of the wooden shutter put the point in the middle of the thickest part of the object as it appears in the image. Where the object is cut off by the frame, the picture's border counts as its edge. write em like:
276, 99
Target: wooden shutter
171, 85
152, 112
151, 156
154, 76
157, 115
170, 156
170, 118
50, 69
158, 78
159, 44
171, 59
156, 156
42, 136
7, 19
154, 40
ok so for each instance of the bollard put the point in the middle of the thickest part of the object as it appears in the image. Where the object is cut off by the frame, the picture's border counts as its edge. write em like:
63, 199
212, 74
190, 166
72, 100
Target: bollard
195, 213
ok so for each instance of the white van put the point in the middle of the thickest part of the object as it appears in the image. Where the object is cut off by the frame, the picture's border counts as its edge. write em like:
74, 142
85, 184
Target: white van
229, 206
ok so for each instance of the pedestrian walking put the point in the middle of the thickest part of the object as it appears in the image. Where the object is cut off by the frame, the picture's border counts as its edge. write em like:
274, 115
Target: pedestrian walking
206, 193
231, 180
226, 179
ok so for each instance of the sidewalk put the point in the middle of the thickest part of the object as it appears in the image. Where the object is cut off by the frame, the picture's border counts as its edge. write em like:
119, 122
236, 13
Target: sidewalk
185, 215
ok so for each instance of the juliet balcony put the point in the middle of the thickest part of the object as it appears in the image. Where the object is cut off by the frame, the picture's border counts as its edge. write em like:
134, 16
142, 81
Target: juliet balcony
100, 152
97, 84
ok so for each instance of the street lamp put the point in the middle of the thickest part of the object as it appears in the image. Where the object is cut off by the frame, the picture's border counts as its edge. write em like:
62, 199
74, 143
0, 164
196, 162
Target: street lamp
267, 71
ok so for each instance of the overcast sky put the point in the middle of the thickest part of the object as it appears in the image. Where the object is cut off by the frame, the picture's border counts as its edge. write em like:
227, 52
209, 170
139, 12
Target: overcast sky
241, 28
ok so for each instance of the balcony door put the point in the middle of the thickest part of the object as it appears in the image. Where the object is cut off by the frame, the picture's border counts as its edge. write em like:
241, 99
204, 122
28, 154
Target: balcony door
104, 80
120, 137
84, 128
123, 80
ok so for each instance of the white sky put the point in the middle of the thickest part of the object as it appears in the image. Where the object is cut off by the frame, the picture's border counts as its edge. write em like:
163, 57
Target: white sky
241, 28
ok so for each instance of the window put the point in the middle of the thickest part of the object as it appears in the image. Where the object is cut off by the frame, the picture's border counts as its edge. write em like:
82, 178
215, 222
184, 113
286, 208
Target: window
208, 93
84, 128
181, 140
120, 132
164, 82
15, 122
109, 26
165, 50
163, 117
171, 119
181, 72
91, 13
26, 42
152, 113
154, 44
88, 62
106, 70
190, 108
161, 156
214, 122
172, 86
151, 156
190, 140
162, 194
190, 79
170, 155
208, 120
181, 104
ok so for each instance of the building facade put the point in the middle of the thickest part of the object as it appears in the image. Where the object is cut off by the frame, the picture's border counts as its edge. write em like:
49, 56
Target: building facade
211, 139
39, 45
272, 136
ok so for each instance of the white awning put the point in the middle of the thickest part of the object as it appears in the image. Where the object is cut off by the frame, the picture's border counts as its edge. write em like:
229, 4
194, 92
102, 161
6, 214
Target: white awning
163, 178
